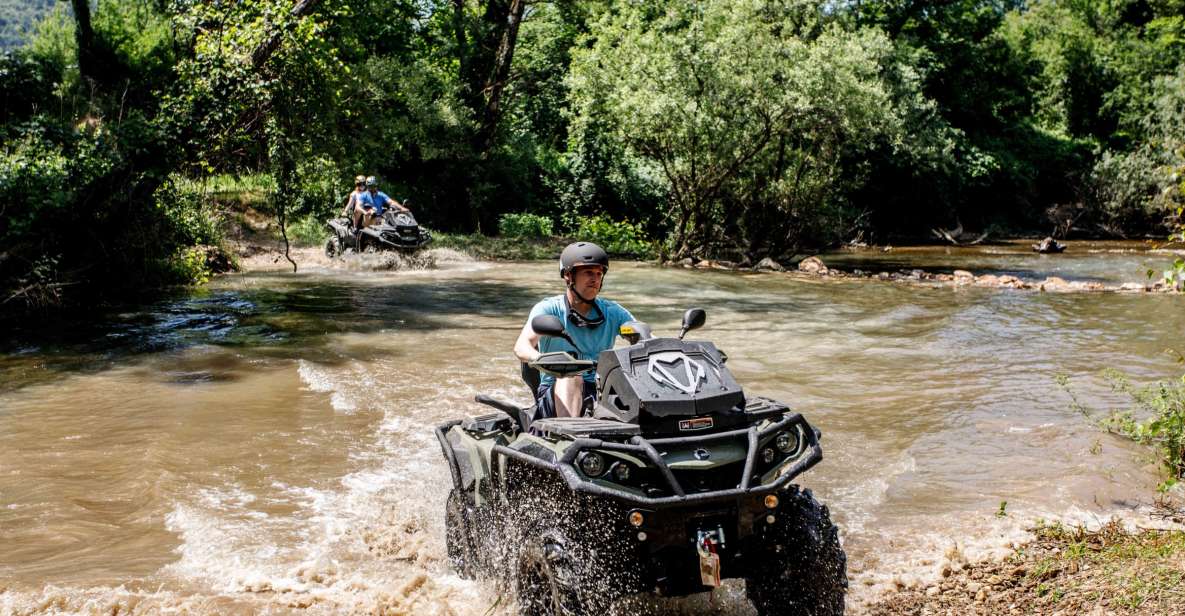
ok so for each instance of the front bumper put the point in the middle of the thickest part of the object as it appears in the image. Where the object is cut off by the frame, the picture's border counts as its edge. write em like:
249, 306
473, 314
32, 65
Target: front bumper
648, 450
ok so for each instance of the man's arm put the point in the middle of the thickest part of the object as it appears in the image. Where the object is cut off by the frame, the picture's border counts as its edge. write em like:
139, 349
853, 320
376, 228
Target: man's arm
525, 348
398, 205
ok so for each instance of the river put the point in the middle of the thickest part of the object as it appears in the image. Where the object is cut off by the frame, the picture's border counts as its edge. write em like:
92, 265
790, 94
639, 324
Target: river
263, 444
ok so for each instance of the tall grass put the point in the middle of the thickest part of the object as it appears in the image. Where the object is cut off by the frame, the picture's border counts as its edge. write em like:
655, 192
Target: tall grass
225, 184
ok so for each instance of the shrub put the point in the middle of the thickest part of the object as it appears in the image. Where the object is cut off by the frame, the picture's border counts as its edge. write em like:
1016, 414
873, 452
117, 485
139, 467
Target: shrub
188, 266
321, 187
307, 231
190, 214
39, 287
1162, 406
524, 225
33, 173
623, 238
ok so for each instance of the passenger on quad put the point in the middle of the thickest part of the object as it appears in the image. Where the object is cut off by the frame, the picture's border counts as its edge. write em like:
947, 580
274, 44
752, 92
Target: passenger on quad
593, 323
353, 210
374, 202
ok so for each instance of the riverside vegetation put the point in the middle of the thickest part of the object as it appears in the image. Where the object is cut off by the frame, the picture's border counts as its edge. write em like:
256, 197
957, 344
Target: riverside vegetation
690, 129
684, 129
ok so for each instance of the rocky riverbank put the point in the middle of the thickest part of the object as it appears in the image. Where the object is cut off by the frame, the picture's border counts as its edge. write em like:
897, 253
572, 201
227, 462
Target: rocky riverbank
814, 267
1064, 571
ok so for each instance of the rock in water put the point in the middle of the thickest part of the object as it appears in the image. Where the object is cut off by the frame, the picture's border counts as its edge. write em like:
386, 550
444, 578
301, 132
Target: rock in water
813, 265
768, 264
1049, 245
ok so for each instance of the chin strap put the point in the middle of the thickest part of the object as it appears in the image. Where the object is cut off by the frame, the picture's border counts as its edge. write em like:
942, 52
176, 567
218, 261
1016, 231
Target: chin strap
572, 288
580, 297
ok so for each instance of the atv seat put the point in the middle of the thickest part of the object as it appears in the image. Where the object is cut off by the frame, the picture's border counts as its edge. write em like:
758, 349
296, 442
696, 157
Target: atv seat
531, 378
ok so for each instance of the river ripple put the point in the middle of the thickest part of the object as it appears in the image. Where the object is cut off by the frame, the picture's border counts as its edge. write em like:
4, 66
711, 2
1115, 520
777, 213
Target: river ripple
265, 445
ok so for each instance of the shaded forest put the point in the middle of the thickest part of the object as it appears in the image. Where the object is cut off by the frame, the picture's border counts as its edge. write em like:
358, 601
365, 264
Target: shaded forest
738, 129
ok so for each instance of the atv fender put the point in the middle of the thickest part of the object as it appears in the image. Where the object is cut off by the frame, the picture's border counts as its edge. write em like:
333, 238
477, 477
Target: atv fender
468, 451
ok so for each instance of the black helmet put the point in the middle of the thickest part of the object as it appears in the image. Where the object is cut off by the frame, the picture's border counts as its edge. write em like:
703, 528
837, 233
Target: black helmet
582, 253
370, 181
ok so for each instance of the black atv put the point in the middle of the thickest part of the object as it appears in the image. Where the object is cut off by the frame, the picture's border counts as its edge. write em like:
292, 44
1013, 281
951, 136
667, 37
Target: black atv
397, 231
675, 481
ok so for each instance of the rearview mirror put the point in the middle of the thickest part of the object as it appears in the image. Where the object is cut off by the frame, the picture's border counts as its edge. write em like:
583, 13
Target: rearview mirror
694, 318
551, 325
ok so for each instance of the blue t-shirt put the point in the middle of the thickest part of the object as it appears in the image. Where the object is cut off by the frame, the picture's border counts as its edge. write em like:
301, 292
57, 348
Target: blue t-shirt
590, 340
376, 201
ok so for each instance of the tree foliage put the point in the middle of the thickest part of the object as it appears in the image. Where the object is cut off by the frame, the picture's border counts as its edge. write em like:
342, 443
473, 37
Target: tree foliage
746, 110
738, 129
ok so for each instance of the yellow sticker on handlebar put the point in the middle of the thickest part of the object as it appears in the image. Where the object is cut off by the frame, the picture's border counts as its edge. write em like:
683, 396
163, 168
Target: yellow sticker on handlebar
626, 330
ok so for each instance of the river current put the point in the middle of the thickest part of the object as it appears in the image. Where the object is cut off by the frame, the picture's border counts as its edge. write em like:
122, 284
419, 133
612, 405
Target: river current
264, 444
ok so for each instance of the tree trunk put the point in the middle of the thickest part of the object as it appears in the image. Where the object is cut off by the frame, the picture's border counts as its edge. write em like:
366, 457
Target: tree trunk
272, 42
84, 36
462, 40
499, 75
485, 54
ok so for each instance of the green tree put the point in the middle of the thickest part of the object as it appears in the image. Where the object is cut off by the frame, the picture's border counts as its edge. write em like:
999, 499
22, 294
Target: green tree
1095, 69
745, 109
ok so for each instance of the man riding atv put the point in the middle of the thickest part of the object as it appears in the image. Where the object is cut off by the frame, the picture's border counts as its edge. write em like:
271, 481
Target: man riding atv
374, 221
595, 323
677, 479
373, 202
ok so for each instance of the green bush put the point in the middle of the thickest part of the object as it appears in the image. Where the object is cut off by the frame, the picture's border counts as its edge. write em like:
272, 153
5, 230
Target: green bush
1157, 420
307, 231
321, 187
524, 225
188, 266
622, 238
189, 214
33, 174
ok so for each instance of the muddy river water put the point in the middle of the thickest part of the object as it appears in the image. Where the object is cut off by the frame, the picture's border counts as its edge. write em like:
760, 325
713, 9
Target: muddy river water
264, 444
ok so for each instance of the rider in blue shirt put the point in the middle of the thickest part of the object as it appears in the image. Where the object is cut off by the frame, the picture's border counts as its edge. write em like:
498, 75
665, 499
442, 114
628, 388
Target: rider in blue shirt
593, 324
374, 202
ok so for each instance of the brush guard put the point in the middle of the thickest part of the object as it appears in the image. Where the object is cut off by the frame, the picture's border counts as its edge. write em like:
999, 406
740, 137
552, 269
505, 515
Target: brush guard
646, 449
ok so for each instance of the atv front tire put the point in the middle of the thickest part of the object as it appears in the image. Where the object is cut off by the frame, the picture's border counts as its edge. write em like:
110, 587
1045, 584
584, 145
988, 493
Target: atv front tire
458, 534
804, 568
552, 578
332, 249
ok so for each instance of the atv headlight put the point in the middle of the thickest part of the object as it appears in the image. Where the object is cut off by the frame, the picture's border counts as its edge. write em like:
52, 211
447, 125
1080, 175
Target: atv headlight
787, 442
592, 464
621, 472
767, 455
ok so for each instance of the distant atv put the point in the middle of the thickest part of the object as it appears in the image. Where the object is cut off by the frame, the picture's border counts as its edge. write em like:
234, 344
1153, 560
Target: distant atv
397, 231
675, 482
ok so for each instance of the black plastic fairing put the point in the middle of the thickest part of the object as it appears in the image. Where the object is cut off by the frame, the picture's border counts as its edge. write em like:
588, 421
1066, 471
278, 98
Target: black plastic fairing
656, 381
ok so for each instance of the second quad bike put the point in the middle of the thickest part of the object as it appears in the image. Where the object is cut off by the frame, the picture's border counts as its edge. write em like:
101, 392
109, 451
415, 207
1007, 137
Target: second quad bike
398, 230
674, 481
